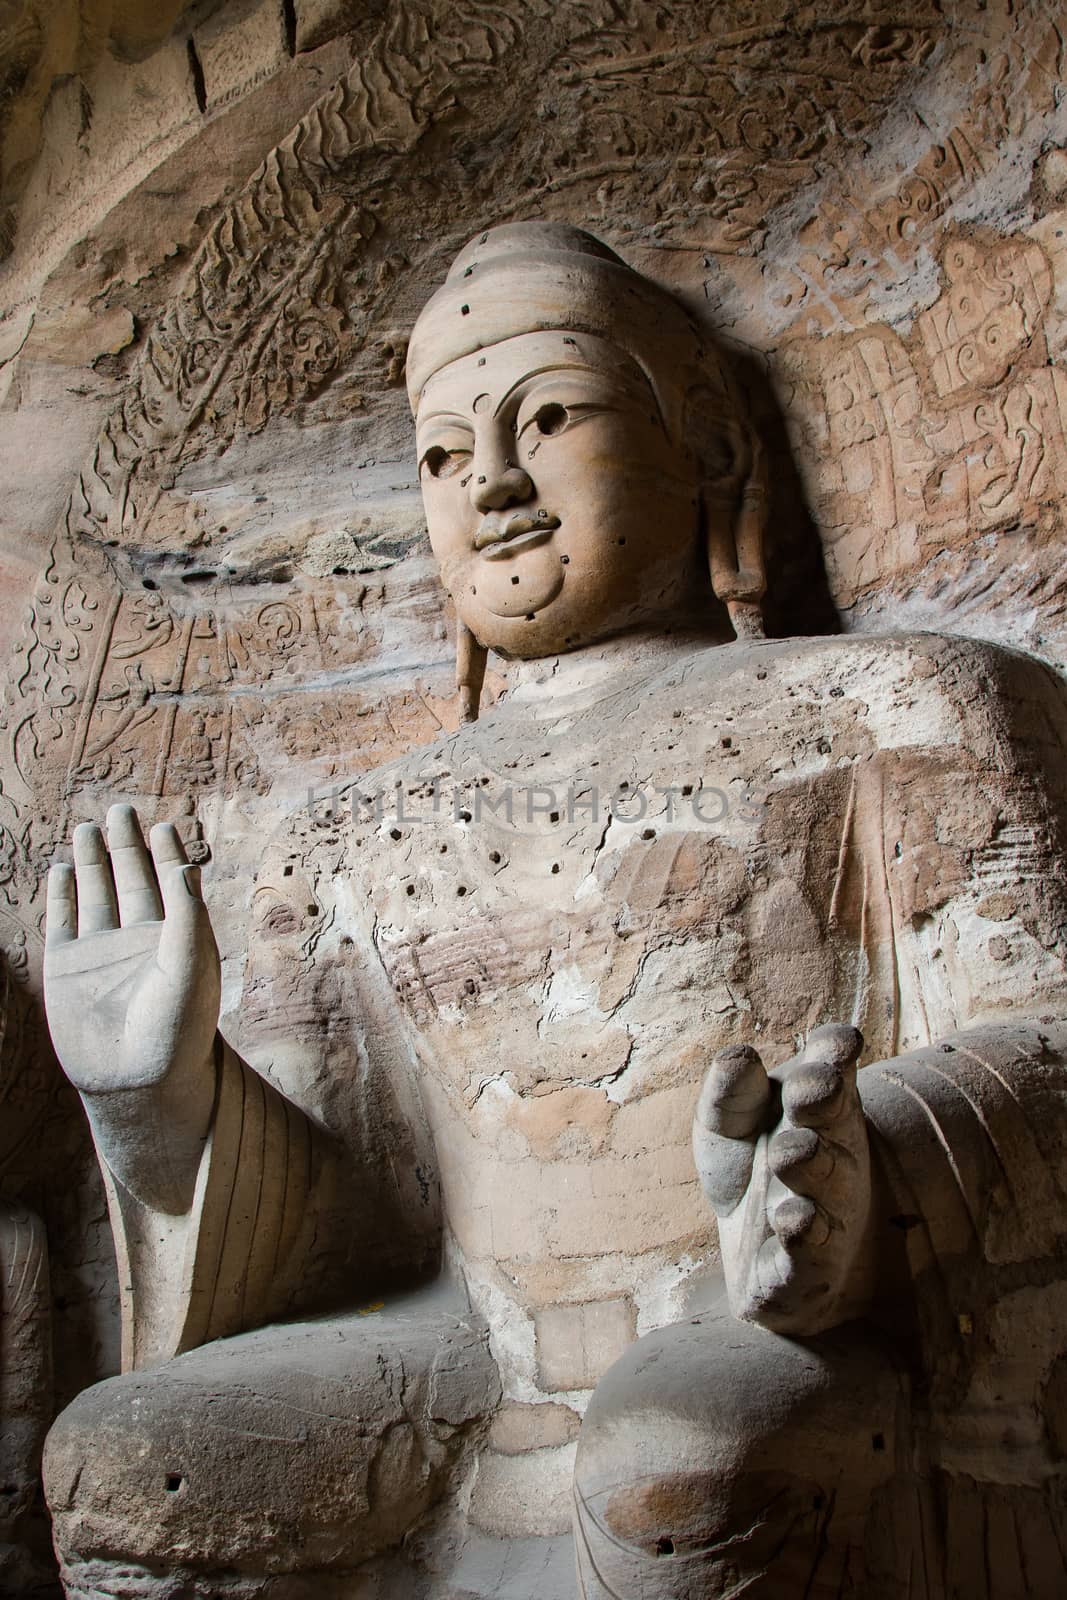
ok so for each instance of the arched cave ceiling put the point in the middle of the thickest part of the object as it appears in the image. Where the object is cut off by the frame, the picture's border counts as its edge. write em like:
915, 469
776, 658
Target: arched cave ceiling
814, 179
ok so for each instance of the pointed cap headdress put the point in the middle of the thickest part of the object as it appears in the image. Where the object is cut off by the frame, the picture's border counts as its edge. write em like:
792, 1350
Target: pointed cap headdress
528, 277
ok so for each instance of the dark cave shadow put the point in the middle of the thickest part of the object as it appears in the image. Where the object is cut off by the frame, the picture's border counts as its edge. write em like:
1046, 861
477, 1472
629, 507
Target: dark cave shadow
798, 598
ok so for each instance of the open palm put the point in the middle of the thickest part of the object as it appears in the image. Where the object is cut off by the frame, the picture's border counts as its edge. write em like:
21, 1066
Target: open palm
131, 967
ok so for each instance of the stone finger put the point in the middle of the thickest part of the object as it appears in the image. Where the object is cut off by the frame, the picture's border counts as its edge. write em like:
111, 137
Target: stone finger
776, 1273
61, 914
800, 1159
798, 1221
735, 1092
835, 1045
135, 878
183, 918
167, 848
97, 907
814, 1094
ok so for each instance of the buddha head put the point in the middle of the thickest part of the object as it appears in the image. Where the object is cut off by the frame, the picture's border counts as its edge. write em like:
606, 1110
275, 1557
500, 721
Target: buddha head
584, 466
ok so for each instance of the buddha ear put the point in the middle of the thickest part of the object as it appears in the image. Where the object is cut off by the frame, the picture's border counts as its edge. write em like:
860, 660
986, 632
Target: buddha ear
735, 506
470, 672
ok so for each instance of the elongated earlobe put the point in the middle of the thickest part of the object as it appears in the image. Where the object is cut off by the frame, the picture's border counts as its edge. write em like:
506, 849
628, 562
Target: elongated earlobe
735, 553
470, 672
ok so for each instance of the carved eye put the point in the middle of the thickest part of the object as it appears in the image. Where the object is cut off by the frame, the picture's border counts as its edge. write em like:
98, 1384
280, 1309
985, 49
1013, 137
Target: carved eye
550, 419
442, 463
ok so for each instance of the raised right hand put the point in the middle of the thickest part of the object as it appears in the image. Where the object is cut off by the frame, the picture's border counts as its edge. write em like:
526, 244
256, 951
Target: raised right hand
132, 990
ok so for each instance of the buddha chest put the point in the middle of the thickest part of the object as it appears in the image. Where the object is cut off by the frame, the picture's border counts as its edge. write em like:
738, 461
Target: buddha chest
569, 906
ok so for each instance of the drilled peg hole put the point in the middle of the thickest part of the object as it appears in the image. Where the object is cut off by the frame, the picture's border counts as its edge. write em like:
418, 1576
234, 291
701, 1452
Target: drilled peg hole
173, 1482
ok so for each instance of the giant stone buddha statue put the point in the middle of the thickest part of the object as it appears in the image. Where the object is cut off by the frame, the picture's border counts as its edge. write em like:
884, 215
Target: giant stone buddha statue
689, 1023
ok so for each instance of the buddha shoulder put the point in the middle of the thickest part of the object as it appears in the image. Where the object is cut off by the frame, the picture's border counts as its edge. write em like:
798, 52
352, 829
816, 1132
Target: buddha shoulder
905, 690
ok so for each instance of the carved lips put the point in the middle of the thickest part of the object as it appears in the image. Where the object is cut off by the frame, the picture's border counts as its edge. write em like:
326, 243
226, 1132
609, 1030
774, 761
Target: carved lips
501, 536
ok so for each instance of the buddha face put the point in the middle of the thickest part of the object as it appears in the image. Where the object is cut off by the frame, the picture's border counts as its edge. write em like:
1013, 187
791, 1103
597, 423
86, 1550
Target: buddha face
557, 507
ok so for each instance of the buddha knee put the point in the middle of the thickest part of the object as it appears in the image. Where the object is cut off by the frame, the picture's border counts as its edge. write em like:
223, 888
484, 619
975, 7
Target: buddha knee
305, 1448
716, 1454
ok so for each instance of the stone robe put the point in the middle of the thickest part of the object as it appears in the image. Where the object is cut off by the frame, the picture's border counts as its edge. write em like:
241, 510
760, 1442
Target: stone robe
837, 829
504, 1020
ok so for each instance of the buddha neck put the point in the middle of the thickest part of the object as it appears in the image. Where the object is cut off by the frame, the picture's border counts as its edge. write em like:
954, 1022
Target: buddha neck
598, 668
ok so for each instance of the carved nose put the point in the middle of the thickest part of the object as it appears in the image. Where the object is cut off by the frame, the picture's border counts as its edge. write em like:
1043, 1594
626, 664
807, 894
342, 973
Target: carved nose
498, 485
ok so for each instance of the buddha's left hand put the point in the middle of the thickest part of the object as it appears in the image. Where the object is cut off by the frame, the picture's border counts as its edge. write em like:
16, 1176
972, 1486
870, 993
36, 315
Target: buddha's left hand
785, 1162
